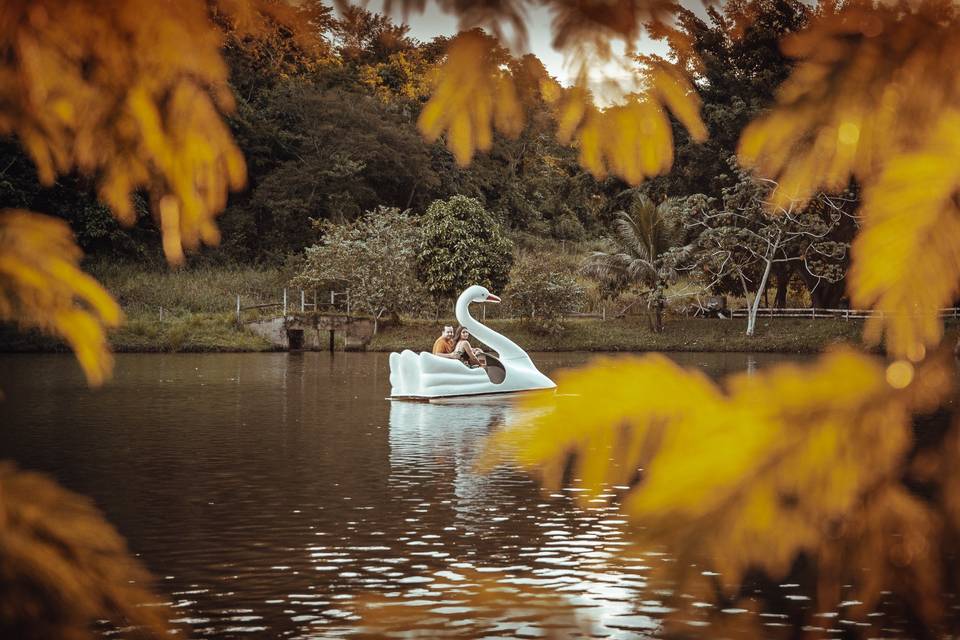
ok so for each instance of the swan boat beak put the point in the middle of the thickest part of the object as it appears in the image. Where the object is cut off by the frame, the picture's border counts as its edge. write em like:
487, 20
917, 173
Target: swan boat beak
492, 298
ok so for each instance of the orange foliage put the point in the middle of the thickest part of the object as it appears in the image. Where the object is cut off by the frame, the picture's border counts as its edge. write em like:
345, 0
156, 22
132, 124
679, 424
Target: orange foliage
63, 568
574, 23
472, 95
42, 287
870, 83
131, 92
746, 476
874, 98
632, 141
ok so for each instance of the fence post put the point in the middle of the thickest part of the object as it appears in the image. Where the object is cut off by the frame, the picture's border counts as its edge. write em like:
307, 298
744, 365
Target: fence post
315, 301
603, 312
303, 302
284, 302
161, 314
813, 312
238, 308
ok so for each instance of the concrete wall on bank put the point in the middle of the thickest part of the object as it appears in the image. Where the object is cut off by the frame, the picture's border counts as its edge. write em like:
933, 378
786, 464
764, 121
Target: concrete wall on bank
314, 333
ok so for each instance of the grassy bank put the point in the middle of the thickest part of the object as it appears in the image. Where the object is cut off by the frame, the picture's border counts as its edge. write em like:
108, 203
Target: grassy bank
202, 332
787, 335
198, 309
199, 315
218, 333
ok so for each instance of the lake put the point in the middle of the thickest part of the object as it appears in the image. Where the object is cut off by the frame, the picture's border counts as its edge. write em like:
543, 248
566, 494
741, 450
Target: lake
268, 492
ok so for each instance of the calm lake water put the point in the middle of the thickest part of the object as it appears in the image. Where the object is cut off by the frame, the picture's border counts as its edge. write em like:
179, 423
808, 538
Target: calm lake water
267, 492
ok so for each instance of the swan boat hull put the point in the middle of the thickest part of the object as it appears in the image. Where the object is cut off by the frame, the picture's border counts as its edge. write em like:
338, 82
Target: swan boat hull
426, 377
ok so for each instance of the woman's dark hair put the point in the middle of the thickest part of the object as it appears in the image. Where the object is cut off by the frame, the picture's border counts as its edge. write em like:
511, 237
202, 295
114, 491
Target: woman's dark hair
456, 335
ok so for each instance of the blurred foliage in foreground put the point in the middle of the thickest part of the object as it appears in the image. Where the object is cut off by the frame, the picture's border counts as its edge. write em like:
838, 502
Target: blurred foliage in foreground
815, 464
63, 567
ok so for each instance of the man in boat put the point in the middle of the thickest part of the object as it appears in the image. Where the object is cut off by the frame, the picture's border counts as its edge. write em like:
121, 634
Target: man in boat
445, 344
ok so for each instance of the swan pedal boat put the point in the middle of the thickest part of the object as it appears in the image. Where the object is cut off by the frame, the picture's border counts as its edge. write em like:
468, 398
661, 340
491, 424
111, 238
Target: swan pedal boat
426, 377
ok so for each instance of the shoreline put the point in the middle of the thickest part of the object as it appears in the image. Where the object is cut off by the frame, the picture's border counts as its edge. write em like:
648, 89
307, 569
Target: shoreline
217, 333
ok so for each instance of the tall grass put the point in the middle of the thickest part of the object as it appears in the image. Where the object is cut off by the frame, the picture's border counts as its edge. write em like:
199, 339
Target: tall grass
142, 291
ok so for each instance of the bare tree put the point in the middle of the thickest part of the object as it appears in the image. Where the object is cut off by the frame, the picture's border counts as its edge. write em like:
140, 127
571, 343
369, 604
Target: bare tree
742, 241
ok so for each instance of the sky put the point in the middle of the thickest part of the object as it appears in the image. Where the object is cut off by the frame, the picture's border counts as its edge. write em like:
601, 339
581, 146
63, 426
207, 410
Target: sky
433, 22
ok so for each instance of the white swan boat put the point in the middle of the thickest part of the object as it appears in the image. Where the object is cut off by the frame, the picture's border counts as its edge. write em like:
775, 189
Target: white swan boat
424, 376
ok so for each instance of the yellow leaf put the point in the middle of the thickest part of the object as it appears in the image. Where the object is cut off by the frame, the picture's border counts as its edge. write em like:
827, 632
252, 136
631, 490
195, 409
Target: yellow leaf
472, 94
132, 92
41, 287
868, 85
906, 259
633, 140
746, 477
66, 569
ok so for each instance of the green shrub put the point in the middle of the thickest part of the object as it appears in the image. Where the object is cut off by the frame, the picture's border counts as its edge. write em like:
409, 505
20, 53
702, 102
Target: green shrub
542, 291
374, 256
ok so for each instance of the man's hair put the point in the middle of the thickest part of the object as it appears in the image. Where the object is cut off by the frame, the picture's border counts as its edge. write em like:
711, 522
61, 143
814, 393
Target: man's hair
448, 327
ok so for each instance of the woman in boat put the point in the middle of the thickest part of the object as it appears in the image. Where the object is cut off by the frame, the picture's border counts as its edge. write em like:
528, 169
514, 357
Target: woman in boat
463, 350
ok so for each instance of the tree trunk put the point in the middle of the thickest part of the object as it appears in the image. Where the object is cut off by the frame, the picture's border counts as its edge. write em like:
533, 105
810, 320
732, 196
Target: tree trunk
659, 303
783, 274
752, 315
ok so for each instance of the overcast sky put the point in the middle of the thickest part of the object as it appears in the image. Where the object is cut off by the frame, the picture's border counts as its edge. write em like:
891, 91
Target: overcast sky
432, 22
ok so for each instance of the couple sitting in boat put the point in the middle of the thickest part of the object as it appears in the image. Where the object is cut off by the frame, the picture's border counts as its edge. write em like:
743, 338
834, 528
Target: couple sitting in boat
456, 345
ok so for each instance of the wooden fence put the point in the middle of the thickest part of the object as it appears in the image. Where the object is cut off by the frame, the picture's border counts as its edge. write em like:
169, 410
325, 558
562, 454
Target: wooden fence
846, 314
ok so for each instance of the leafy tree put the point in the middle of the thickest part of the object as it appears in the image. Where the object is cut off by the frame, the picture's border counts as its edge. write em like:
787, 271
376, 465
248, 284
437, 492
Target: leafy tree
541, 291
643, 236
130, 95
374, 256
365, 37
736, 63
462, 244
340, 153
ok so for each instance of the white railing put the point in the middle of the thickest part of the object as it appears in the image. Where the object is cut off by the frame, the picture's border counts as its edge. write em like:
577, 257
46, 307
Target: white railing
846, 314
289, 303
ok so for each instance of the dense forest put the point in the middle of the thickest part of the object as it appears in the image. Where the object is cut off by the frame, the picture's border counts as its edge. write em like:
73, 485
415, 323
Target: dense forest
331, 132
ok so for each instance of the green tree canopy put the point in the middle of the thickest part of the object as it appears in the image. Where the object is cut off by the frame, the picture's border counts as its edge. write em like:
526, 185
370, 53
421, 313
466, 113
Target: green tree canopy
462, 244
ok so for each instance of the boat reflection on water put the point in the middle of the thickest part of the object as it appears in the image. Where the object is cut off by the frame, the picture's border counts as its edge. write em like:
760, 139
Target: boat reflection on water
427, 439
501, 525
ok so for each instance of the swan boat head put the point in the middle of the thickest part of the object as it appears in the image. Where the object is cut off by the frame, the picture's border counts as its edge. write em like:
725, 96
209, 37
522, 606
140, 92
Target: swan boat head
477, 293
423, 376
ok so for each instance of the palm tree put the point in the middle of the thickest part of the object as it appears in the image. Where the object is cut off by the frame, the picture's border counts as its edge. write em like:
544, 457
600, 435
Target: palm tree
642, 235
